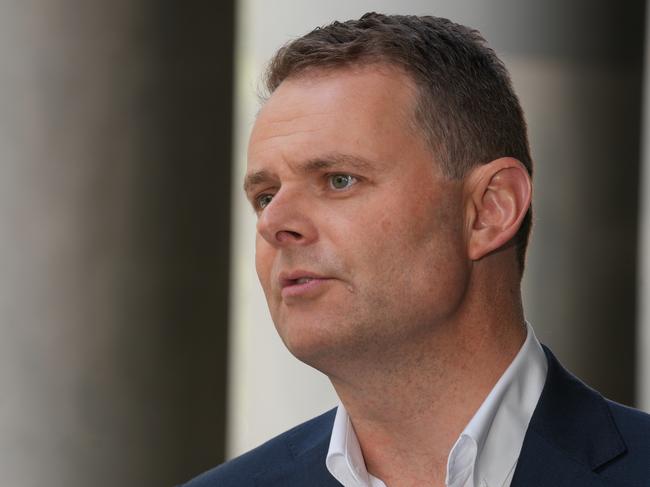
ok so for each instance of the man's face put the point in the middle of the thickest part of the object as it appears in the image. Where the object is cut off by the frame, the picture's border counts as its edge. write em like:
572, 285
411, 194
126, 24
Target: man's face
360, 239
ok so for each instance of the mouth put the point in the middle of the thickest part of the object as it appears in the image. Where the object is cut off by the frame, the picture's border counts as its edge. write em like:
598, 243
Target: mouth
298, 277
303, 284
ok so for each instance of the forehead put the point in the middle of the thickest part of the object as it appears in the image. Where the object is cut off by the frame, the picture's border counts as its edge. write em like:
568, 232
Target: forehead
372, 85
364, 111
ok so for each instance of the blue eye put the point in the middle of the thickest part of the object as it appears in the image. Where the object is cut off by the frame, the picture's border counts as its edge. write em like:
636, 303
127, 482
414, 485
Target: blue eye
263, 200
341, 181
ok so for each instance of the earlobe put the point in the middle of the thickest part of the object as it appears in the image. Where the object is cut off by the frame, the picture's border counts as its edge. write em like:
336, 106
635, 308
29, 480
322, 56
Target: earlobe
499, 194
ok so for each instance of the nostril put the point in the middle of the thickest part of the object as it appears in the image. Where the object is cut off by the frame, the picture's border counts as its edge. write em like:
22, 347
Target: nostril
285, 235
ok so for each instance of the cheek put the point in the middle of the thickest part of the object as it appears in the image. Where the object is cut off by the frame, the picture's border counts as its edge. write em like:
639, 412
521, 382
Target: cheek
386, 225
420, 245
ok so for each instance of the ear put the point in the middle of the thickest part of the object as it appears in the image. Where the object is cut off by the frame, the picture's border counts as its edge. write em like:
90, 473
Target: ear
498, 195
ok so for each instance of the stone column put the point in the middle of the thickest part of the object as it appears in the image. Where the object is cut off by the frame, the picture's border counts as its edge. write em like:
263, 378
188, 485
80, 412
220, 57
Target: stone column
114, 223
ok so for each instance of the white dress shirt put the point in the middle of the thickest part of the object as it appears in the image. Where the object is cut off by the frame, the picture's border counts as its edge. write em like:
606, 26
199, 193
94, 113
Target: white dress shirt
486, 453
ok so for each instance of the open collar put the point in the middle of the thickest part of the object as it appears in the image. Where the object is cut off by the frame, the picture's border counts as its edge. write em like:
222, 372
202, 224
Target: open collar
571, 434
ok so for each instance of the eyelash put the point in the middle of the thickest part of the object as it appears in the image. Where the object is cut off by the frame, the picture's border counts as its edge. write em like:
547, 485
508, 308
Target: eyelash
328, 177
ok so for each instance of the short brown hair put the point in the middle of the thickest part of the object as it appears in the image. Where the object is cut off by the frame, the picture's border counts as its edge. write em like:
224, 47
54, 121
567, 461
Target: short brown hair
467, 108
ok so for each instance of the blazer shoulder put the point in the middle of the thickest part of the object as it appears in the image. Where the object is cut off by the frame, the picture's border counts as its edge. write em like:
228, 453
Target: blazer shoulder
632, 467
634, 426
280, 450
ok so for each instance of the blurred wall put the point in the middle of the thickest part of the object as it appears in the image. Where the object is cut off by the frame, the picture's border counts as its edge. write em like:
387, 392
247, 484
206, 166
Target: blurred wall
577, 67
114, 216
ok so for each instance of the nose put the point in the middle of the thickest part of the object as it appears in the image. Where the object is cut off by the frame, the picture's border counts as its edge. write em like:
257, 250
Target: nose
287, 220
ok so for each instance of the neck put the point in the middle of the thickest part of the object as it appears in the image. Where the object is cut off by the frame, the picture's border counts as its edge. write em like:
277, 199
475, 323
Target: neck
409, 406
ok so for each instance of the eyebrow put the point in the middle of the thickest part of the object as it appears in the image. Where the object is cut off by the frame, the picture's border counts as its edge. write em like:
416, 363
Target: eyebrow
328, 161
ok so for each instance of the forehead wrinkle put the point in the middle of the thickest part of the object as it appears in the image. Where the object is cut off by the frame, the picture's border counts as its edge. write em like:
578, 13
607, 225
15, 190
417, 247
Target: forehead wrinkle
289, 134
274, 117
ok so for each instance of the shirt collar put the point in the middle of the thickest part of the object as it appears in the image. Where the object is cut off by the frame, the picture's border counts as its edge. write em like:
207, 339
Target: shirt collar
499, 425
344, 458
488, 448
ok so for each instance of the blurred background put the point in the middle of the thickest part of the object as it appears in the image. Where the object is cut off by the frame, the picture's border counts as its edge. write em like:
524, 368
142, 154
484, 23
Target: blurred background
135, 344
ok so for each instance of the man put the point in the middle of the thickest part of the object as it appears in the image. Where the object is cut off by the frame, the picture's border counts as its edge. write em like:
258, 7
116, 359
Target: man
391, 176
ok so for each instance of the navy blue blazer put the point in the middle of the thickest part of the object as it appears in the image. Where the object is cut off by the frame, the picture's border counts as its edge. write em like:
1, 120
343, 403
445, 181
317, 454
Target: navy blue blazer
576, 438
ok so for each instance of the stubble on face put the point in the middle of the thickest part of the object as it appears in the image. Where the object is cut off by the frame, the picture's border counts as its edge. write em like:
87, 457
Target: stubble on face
393, 243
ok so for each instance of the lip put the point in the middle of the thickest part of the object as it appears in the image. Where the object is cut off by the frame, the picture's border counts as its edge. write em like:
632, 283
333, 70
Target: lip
292, 288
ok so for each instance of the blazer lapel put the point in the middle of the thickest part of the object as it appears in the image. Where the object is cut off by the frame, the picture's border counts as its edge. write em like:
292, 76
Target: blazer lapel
541, 464
308, 446
570, 435
309, 469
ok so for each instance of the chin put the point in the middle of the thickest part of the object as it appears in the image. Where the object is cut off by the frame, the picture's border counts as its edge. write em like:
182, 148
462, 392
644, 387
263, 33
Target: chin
308, 346
315, 345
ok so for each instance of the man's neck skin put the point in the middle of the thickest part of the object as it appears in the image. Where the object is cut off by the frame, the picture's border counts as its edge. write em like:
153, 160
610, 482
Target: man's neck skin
410, 405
